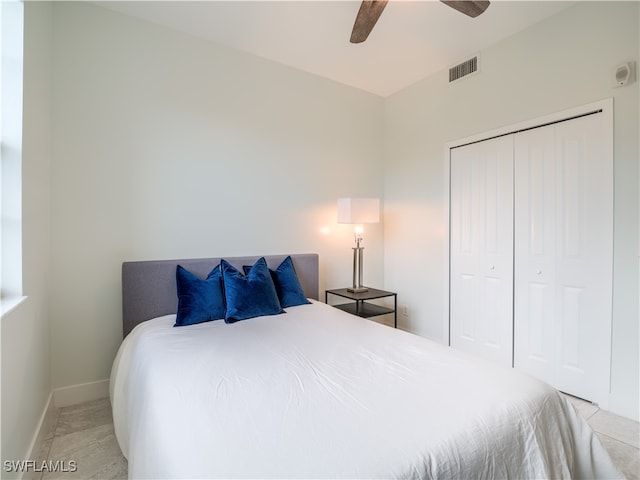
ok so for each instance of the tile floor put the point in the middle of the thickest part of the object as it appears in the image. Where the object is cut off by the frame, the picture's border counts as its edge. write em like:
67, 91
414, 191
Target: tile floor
84, 433
618, 435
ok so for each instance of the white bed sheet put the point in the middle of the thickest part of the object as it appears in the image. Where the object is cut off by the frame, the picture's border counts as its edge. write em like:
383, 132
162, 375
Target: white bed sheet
318, 393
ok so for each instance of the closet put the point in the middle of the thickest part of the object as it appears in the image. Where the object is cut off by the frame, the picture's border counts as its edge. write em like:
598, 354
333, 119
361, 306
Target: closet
531, 251
481, 225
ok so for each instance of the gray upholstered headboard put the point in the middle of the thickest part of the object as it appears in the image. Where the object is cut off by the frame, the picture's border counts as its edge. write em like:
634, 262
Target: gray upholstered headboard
149, 287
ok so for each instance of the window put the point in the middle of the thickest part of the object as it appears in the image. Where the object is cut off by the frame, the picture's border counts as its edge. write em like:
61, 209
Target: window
11, 61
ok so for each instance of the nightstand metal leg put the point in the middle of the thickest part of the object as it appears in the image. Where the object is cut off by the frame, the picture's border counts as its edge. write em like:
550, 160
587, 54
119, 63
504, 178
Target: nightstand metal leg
395, 311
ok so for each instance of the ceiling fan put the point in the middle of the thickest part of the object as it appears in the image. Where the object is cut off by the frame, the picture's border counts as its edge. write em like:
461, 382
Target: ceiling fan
370, 11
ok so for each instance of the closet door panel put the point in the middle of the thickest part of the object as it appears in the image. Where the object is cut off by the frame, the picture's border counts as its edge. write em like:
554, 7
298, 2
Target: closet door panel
481, 297
465, 247
584, 257
563, 255
534, 275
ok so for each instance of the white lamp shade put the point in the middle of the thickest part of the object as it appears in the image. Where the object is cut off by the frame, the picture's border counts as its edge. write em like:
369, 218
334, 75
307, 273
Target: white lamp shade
358, 210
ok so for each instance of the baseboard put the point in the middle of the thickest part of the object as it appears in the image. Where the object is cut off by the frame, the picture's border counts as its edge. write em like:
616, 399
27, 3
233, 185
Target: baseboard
58, 398
84, 392
625, 405
44, 431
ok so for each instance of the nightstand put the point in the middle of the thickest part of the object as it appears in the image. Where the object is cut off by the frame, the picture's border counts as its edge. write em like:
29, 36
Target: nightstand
361, 307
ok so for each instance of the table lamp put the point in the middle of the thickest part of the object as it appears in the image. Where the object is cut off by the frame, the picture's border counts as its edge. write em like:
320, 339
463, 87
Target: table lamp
358, 211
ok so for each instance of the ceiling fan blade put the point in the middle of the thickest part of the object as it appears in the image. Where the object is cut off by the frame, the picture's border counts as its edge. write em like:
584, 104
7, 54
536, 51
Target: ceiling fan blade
471, 8
370, 11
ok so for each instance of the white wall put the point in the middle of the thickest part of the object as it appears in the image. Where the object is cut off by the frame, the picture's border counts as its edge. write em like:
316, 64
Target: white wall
565, 61
26, 373
167, 146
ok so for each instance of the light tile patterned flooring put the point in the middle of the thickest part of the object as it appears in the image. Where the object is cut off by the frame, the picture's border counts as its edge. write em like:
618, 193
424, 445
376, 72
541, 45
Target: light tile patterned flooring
84, 433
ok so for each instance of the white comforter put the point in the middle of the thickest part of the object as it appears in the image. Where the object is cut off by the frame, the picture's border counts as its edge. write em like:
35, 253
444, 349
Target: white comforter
318, 393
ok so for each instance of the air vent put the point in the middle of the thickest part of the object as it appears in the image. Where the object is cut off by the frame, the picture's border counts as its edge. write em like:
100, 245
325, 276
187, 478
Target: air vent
463, 69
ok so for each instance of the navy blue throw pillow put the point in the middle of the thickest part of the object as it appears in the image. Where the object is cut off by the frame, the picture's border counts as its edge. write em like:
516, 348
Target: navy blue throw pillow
199, 300
250, 295
288, 288
288, 285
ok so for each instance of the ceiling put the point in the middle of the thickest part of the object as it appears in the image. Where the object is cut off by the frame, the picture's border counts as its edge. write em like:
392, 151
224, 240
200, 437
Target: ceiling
412, 39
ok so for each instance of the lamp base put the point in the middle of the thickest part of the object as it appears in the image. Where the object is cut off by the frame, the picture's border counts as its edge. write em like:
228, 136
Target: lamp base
357, 289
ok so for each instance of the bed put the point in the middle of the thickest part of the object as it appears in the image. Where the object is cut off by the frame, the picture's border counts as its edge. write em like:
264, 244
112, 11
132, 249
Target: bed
315, 392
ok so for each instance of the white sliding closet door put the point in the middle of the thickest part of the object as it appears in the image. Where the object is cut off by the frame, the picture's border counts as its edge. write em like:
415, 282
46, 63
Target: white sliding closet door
564, 255
481, 270
534, 284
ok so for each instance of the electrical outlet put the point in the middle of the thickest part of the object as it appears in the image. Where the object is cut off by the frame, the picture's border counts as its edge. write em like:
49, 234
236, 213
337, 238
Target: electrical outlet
404, 310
